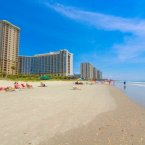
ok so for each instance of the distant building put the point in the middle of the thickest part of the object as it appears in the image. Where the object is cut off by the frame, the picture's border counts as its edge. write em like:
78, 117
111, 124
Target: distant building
86, 71
9, 45
95, 76
77, 76
99, 75
58, 63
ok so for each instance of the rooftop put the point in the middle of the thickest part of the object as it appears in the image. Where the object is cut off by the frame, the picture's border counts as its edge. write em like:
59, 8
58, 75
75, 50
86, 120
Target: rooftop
51, 53
5, 21
47, 54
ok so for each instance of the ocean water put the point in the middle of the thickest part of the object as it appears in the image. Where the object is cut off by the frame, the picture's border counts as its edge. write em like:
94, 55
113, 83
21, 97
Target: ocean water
135, 90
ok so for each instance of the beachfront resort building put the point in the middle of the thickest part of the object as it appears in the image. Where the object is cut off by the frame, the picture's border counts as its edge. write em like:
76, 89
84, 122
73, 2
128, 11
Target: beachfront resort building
9, 45
99, 75
95, 73
88, 72
59, 63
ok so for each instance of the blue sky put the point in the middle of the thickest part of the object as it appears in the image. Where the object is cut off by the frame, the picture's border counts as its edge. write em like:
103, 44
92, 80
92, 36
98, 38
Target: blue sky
110, 34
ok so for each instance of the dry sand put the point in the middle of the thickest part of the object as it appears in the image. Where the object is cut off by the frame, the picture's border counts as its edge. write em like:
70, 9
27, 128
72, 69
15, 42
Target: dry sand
59, 115
33, 115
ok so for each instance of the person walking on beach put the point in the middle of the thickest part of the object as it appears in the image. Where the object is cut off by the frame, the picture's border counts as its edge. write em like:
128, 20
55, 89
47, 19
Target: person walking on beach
124, 85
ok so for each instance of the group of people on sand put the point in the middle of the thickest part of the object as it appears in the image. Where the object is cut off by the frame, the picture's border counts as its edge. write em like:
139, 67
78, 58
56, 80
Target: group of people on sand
16, 86
19, 86
6, 89
22, 86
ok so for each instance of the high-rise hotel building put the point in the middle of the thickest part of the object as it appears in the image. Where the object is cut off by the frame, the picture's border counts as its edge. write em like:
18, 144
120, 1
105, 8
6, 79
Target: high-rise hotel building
88, 72
58, 63
9, 44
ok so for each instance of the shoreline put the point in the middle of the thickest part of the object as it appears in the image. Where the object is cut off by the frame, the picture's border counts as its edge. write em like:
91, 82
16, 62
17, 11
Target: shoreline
134, 92
95, 115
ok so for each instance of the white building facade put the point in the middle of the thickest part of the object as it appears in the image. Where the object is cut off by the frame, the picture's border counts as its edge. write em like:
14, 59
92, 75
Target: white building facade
58, 63
86, 71
9, 46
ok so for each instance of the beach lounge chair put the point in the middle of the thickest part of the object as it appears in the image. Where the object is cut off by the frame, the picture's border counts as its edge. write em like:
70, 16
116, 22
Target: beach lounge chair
17, 86
9, 89
29, 86
2, 89
78, 83
42, 85
76, 88
23, 86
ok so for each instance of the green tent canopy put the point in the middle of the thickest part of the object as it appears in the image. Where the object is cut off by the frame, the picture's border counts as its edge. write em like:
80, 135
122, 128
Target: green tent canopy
45, 77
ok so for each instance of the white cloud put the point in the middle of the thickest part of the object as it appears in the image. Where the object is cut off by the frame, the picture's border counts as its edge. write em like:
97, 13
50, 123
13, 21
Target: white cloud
132, 47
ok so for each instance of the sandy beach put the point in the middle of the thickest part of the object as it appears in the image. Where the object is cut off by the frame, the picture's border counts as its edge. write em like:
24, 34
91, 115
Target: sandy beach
58, 115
